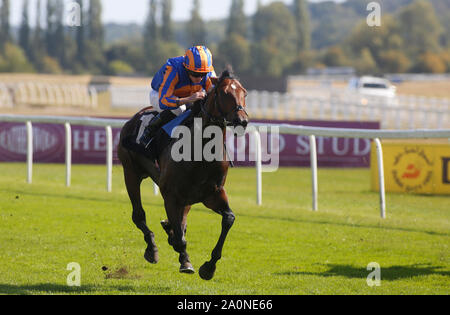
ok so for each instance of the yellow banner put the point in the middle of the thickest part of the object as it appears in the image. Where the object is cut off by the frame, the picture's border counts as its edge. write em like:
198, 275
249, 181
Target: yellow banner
414, 168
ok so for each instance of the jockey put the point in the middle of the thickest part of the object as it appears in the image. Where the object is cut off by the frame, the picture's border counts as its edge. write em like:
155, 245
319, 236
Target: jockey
178, 84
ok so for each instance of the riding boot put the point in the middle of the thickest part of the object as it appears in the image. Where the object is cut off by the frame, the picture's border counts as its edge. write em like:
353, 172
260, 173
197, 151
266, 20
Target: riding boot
154, 125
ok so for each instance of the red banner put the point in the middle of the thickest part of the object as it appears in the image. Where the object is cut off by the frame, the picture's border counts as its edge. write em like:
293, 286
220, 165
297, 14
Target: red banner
89, 145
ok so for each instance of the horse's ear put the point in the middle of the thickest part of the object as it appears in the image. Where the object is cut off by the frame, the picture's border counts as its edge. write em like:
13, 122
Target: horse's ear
228, 72
214, 80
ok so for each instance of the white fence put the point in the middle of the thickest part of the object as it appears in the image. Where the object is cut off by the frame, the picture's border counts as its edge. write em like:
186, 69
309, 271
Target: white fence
49, 94
411, 77
130, 96
254, 128
324, 103
5, 97
331, 104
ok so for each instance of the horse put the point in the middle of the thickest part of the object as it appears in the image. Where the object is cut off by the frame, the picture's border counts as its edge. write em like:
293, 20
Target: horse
185, 183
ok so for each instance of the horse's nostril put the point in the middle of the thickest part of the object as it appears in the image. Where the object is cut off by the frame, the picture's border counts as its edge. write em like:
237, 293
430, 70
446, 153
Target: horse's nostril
240, 122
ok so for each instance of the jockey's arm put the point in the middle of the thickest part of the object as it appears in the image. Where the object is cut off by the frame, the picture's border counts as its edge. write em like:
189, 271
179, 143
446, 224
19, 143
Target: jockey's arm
191, 99
166, 91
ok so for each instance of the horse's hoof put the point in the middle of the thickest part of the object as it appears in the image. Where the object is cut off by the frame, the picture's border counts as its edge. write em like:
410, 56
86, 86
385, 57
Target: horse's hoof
151, 256
187, 269
207, 271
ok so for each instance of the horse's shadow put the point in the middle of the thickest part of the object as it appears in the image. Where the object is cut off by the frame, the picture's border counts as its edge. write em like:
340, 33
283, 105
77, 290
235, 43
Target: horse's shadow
391, 273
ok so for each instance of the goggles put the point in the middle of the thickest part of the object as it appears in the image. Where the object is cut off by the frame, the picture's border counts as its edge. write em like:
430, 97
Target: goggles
196, 74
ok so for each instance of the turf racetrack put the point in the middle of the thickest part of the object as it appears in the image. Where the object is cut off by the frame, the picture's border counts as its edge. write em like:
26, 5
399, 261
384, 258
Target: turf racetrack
279, 248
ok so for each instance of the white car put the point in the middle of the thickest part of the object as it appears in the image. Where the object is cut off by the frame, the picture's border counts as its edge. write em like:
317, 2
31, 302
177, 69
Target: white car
375, 89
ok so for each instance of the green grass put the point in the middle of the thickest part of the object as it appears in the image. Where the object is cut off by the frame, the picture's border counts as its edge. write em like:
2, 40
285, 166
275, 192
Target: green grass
279, 248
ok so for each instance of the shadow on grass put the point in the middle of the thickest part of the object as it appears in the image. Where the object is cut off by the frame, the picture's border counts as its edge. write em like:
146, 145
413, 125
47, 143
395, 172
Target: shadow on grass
324, 222
73, 197
46, 288
388, 273
57, 289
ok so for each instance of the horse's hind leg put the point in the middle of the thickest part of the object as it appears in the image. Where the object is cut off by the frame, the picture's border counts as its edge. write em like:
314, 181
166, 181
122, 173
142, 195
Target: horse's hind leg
219, 204
133, 183
177, 220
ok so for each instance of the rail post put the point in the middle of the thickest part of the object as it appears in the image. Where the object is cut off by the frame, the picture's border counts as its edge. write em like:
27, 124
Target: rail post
29, 152
68, 154
258, 160
381, 178
109, 158
315, 185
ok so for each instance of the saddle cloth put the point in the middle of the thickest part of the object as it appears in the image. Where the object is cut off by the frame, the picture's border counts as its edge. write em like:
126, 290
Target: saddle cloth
160, 140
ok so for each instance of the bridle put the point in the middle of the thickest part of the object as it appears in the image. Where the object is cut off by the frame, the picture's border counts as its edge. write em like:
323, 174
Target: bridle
220, 121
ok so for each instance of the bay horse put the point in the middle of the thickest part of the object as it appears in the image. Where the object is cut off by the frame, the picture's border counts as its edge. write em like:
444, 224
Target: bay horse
183, 184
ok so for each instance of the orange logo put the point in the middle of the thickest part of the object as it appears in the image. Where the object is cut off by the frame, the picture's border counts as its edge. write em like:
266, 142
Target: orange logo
412, 172
412, 169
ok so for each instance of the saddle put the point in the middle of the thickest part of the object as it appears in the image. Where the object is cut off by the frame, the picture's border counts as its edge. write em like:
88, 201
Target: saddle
160, 140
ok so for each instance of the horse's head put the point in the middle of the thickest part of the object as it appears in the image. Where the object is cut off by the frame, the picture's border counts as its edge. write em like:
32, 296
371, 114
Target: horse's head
226, 104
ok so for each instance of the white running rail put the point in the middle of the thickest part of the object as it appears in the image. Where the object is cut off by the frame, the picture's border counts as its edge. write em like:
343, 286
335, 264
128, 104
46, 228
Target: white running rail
312, 132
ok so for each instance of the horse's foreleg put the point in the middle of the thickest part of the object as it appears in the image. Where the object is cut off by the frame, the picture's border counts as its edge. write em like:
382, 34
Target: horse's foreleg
219, 204
168, 228
177, 220
133, 184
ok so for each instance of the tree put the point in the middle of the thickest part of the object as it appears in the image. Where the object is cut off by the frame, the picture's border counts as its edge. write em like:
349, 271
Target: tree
265, 59
151, 38
302, 62
96, 32
5, 35
335, 57
151, 27
445, 56
237, 21
65, 45
24, 31
14, 60
375, 39
420, 28
167, 27
236, 51
51, 66
80, 36
94, 59
196, 26
446, 25
365, 64
430, 62
394, 61
37, 52
119, 67
274, 47
302, 23
54, 35
51, 27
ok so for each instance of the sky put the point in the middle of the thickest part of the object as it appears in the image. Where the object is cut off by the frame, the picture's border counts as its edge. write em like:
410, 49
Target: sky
135, 11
